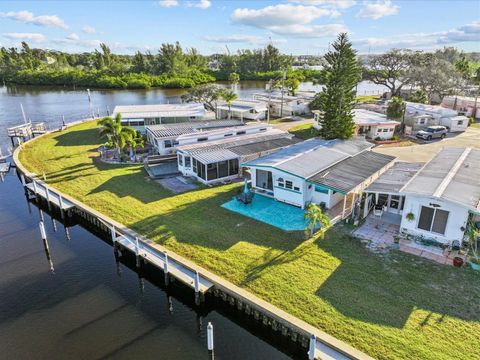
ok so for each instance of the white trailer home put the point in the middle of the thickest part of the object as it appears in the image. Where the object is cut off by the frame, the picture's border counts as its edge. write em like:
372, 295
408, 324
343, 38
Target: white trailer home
331, 173
243, 110
139, 116
438, 114
434, 200
287, 105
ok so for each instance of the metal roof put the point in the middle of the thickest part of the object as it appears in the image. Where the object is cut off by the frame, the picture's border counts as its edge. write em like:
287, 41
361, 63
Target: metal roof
351, 172
159, 110
255, 128
453, 175
366, 117
393, 180
172, 130
250, 144
309, 157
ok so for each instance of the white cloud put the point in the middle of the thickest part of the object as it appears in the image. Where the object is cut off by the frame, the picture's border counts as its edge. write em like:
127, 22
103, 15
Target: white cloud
310, 31
89, 29
75, 41
28, 17
378, 9
201, 4
467, 33
340, 4
168, 3
233, 39
289, 20
247, 39
33, 37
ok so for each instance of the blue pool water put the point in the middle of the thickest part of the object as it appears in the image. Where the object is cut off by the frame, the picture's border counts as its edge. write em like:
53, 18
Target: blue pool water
283, 216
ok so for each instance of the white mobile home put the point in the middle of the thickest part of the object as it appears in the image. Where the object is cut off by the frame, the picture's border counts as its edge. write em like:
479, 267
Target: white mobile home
286, 105
326, 172
439, 114
219, 160
243, 110
164, 138
465, 105
435, 200
367, 123
139, 116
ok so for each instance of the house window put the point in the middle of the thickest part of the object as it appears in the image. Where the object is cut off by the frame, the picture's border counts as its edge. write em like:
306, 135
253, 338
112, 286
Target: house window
195, 165
385, 130
175, 143
460, 122
288, 184
202, 139
167, 144
180, 160
281, 182
321, 189
233, 167
392, 129
229, 134
265, 129
188, 161
241, 132
296, 188
422, 121
193, 117
433, 220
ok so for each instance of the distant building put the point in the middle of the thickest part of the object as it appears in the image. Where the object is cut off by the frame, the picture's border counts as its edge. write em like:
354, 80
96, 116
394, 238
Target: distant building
367, 123
243, 110
417, 115
139, 116
467, 106
287, 105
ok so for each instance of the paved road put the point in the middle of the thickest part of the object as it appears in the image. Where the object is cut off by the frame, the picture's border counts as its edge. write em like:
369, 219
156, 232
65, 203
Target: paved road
285, 126
424, 152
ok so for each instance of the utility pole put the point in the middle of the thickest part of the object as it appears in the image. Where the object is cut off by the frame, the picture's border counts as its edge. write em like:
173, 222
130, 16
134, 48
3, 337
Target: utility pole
284, 75
270, 86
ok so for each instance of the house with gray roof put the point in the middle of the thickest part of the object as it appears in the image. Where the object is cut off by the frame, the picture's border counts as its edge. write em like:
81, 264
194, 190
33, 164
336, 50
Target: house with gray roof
332, 173
219, 160
433, 200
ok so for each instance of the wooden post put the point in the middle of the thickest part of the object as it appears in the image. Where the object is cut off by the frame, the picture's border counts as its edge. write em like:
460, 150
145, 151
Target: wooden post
114, 237
35, 187
197, 283
344, 204
311, 349
47, 193
165, 268
210, 337
43, 233
137, 252
60, 204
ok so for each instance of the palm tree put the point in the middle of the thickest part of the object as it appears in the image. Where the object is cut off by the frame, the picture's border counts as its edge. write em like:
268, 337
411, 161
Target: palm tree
117, 134
314, 215
229, 96
136, 141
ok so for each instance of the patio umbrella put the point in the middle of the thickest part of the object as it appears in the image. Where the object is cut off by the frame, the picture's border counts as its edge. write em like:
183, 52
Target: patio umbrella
245, 186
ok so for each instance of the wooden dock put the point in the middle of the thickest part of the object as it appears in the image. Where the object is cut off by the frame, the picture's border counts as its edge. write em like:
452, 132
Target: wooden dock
325, 346
182, 273
39, 189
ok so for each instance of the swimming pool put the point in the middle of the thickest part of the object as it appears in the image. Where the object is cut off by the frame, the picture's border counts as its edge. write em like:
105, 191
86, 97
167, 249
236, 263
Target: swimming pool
267, 210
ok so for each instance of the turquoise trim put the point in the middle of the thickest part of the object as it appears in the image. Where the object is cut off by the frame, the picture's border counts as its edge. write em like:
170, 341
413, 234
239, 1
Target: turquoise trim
294, 191
328, 187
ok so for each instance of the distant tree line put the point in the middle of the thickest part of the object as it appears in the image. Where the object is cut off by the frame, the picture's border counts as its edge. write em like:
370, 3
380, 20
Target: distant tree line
171, 67
444, 72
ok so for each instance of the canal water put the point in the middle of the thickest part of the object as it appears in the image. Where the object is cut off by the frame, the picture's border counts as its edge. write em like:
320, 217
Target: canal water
49, 104
75, 301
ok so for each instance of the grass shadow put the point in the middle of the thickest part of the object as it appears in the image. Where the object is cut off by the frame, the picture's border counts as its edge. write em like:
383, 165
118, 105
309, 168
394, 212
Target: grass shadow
386, 289
79, 137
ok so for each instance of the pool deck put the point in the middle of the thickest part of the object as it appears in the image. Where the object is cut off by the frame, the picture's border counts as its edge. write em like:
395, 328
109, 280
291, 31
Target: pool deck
265, 209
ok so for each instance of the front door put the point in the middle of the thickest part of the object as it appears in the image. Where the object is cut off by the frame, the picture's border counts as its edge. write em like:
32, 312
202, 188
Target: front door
395, 204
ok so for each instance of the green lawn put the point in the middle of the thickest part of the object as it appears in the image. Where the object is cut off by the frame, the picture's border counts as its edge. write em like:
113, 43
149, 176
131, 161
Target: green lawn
304, 131
368, 98
391, 306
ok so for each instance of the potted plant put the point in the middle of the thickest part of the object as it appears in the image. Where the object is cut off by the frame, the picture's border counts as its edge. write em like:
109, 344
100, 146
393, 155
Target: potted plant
410, 216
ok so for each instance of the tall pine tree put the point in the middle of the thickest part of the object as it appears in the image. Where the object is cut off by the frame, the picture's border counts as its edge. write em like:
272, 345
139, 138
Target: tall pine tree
336, 101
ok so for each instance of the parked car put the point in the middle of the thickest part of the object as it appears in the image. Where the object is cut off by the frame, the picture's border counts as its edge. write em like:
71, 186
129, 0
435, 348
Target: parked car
432, 132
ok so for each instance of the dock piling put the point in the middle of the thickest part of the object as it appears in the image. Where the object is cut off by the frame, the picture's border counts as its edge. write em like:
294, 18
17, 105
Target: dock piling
165, 268
197, 283
210, 336
22, 178
137, 252
35, 190
311, 348
114, 238
42, 230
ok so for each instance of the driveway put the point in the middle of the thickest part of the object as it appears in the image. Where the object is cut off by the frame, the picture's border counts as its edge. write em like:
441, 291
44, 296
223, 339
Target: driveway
424, 152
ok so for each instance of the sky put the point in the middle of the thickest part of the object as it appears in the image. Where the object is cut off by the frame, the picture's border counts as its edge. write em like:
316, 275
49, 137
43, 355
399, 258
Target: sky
297, 27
